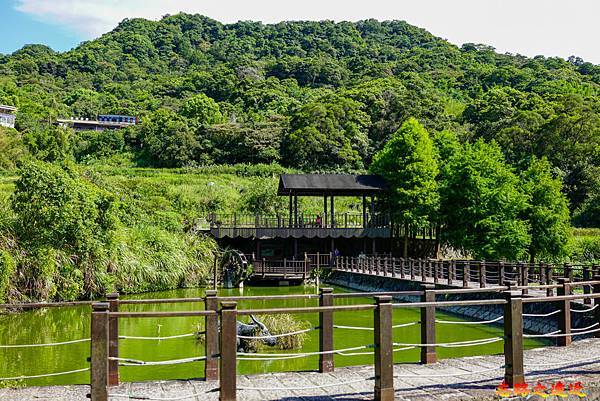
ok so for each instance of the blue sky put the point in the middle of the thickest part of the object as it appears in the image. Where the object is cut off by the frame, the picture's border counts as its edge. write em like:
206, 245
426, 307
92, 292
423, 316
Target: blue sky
530, 27
18, 28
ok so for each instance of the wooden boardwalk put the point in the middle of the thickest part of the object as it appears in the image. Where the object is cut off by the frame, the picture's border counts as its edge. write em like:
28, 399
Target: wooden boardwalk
413, 381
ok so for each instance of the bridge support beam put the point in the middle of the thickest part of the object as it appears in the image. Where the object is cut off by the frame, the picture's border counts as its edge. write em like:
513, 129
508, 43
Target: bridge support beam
326, 331
228, 340
597, 301
113, 340
211, 337
99, 352
428, 353
384, 356
564, 317
513, 338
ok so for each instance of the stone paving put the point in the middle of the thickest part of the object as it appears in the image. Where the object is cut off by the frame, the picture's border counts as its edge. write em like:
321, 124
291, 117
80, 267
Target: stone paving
413, 381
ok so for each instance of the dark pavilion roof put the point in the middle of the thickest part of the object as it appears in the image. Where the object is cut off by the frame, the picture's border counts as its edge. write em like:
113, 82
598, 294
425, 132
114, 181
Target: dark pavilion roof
331, 184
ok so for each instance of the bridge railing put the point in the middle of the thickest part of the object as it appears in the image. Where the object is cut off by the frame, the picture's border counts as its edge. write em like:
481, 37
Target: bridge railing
468, 272
221, 349
340, 221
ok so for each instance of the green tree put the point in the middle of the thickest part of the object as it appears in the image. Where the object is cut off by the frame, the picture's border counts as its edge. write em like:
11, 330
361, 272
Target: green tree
167, 140
327, 134
56, 208
202, 108
547, 211
481, 204
407, 162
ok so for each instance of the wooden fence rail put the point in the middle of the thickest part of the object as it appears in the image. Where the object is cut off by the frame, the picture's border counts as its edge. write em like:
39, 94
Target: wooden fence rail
221, 349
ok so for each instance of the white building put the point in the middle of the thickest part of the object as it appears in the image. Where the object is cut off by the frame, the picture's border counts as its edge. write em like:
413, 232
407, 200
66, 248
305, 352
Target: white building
8, 114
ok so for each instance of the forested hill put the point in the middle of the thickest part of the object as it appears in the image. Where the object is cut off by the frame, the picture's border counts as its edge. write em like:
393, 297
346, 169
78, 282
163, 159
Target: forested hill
311, 95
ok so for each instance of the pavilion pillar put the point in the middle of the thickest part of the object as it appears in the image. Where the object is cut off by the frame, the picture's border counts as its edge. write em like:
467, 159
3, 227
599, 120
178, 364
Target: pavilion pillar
372, 209
291, 207
324, 219
332, 212
364, 211
258, 248
296, 210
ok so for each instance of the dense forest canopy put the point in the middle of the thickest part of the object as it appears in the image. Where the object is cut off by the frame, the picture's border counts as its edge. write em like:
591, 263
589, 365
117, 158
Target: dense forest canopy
310, 95
500, 151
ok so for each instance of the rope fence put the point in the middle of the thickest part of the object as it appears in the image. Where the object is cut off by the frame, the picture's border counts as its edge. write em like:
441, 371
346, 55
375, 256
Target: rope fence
44, 375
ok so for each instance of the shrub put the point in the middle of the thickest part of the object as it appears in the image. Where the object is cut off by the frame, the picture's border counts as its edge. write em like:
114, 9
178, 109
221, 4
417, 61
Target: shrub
7, 270
56, 208
281, 324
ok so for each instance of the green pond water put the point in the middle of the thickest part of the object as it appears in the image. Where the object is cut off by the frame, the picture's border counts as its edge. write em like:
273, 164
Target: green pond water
71, 323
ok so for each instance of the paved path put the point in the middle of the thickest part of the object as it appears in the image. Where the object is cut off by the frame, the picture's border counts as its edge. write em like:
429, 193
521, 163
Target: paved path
412, 382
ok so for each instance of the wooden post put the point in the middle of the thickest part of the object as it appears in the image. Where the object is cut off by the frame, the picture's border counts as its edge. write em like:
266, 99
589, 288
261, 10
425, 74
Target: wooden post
99, 352
228, 351
450, 267
466, 274
436, 272
568, 271
501, 269
596, 290
587, 276
113, 339
482, 274
564, 317
549, 278
384, 356
423, 270
411, 264
326, 331
524, 274
211, 337
513, 338
428, 353
377, 261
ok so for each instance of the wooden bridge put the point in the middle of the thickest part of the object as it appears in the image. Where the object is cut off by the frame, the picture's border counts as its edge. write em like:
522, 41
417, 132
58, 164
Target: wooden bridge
453, 273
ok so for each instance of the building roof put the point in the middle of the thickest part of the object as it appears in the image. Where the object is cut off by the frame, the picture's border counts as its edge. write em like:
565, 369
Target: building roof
331, 184
5, 107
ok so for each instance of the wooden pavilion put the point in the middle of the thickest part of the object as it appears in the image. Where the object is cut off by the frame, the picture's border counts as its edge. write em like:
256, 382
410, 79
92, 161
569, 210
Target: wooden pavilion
365, 230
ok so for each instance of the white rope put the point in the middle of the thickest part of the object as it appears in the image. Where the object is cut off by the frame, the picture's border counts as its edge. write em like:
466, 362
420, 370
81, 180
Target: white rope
468, 343
585, 328
585, 310
451, 374
304, 387
405, 325
144, 397
44, 345
136, 362
293, 333
44, 375
396, 326
371, 353
267, 357
335, 326
466, 322
158, 338
541, 335
555, 334
541, 314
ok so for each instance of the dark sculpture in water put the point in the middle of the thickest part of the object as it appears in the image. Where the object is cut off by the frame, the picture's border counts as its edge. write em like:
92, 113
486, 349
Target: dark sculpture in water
253, 329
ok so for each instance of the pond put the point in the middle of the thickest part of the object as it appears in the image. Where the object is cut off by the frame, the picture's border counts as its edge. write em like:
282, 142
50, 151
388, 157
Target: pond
71, 323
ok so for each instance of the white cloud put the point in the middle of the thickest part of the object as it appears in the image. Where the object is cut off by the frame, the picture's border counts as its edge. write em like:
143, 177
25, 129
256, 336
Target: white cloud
531, 27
